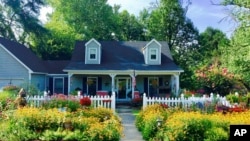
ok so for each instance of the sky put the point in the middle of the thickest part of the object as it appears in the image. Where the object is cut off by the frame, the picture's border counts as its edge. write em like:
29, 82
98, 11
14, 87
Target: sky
202, 13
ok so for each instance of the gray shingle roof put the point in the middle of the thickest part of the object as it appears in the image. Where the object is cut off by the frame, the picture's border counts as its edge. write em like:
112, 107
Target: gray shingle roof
27, 57
118, 55
24, 54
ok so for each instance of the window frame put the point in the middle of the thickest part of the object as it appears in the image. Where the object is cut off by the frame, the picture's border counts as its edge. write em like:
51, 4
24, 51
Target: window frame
95, 53
54, 83
151, 53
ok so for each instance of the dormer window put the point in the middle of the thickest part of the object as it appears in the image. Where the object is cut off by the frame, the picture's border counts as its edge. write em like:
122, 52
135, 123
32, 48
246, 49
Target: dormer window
92, 54
153, 54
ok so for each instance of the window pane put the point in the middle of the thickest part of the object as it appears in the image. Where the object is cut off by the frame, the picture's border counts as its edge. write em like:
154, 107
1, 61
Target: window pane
92, 53
153, 57
92, 56
58, 85
153, 53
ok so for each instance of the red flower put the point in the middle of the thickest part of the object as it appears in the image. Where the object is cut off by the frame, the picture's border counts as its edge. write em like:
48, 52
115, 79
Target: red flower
236, 109
85, 101
164, 105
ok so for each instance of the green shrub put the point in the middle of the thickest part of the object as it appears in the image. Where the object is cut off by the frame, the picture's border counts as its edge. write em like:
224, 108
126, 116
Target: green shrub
12, 131
194, 130
232, 98
216, 134
71, 105
6, 100
147, 120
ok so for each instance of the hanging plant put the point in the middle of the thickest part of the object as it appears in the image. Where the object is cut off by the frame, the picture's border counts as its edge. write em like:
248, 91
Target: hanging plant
90, 82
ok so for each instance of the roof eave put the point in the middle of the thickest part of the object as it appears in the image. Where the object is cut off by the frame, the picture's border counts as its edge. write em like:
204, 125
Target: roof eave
125, 72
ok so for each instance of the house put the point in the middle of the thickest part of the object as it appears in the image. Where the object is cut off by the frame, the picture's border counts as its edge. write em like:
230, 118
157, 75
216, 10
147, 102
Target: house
19, 66
106, 66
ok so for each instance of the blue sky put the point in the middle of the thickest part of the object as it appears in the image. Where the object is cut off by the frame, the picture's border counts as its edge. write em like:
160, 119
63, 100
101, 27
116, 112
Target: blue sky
202, 12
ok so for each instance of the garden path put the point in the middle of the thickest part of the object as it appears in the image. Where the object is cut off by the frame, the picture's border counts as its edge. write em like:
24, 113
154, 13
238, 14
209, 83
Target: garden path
130, 132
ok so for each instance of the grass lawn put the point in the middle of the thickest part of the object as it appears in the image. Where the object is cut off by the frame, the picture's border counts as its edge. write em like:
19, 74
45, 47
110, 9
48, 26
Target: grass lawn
136, 111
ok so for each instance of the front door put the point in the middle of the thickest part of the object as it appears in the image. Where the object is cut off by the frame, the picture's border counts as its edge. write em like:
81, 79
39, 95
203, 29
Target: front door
153, 86
123, 86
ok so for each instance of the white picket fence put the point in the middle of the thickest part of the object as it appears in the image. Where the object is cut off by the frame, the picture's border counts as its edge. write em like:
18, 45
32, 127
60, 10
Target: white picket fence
184, 102
96, 101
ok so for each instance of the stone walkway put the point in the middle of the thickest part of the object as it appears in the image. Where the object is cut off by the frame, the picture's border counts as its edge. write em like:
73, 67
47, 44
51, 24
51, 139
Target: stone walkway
131, 133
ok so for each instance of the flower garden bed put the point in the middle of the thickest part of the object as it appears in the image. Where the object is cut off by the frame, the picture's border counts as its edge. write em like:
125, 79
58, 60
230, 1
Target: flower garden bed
29, 123
59, 119
156, 122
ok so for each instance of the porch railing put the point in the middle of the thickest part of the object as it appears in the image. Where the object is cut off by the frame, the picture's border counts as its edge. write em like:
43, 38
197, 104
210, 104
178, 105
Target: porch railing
96, 101
185, 102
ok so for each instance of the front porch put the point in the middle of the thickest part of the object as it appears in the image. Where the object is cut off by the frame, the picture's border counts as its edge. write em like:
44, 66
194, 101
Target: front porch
125, 83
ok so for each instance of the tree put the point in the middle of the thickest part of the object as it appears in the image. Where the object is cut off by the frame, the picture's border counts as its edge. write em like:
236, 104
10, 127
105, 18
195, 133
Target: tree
239, 62
59, 41
130, 27
90, 18
168, 22
212, 43
19, 19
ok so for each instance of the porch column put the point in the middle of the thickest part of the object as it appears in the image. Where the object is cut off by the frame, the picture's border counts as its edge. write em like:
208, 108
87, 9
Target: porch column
133, 76
112, 82
177, 84
69, 78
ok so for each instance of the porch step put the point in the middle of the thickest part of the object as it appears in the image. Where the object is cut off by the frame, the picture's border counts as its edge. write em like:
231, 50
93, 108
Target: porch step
123, 109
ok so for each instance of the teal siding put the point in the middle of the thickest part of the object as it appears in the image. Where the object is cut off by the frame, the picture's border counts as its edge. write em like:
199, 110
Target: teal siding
11, 70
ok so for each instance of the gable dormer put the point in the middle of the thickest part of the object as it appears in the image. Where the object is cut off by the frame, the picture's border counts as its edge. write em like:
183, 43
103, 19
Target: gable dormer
92, 52
152, 53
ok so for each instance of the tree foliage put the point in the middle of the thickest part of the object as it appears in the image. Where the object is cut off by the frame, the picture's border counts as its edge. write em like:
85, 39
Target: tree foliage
19, 19
168, 22
237, 58
90, 18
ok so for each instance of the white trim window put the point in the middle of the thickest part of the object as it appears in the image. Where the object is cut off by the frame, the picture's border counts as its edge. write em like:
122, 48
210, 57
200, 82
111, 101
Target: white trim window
58, 85
153, 54
92, 54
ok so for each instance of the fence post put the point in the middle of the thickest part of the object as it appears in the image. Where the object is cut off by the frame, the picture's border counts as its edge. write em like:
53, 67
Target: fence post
144, 104
113, 101
183, 101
